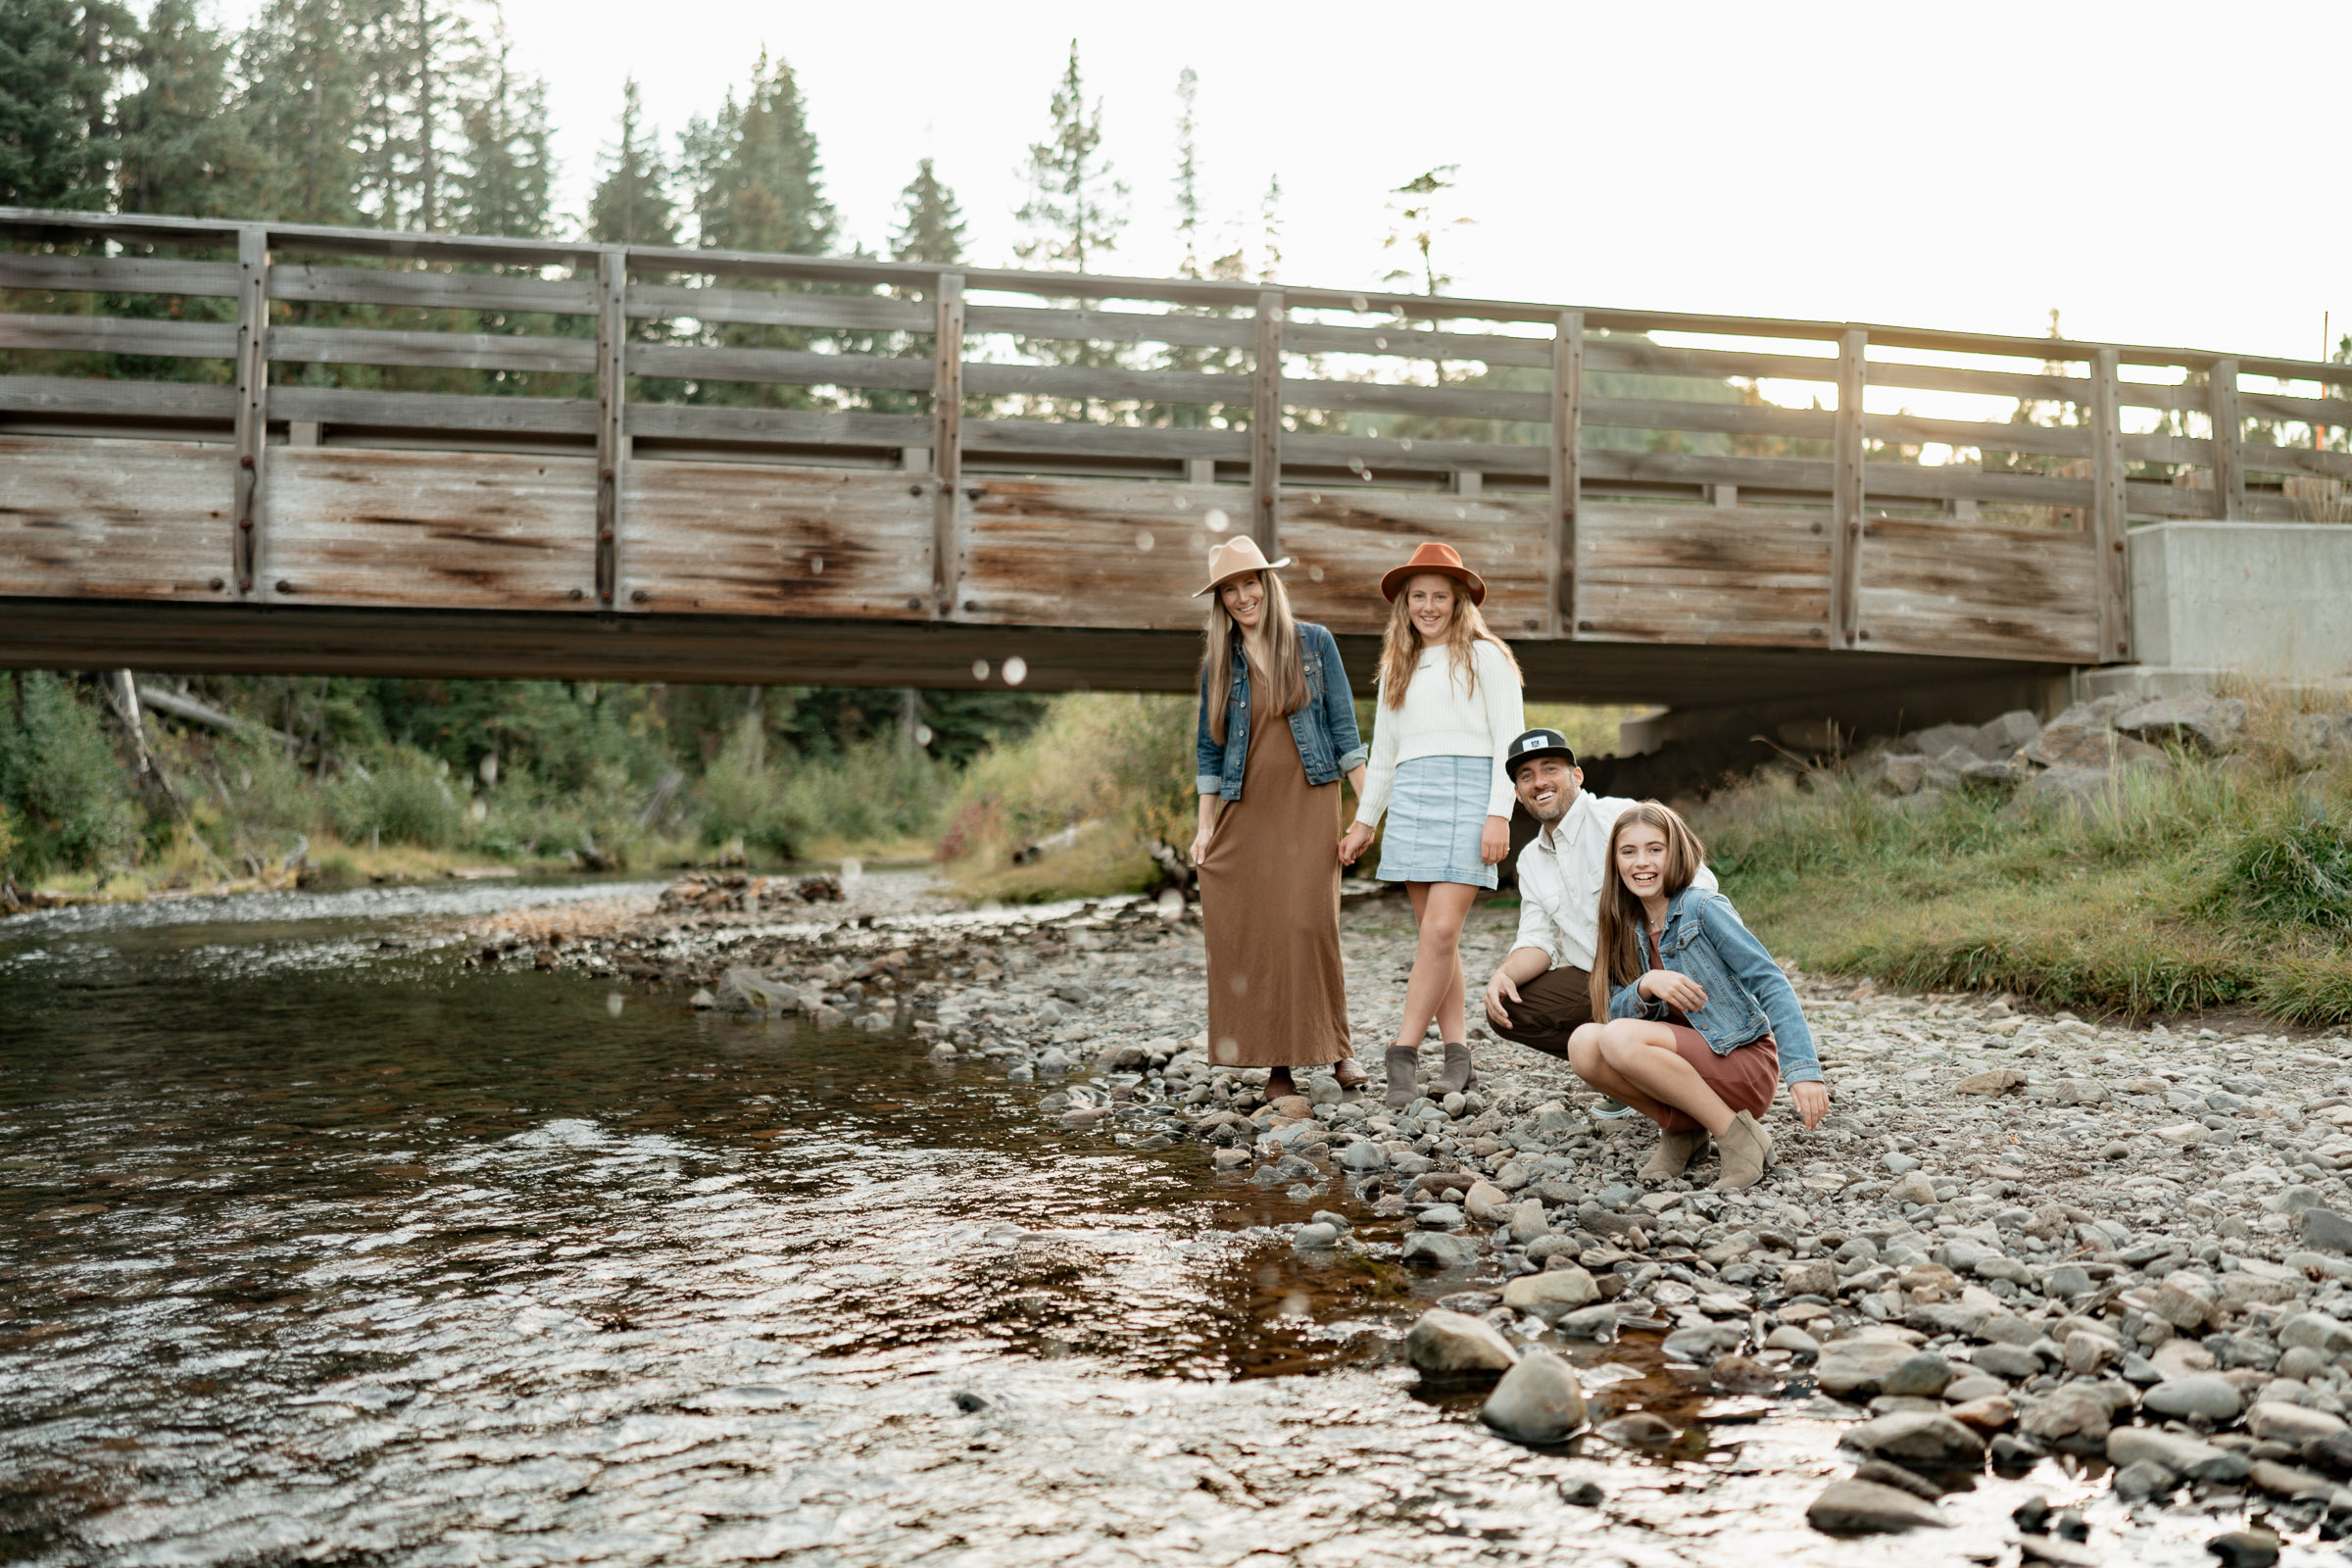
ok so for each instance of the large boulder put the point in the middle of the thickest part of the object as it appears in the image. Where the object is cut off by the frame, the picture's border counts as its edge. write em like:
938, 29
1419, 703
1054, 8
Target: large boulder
1553, 1293
1437, 1249
1455, 1344
1537, 1402
2182, 1456
748, 991
1865, 1508
1857, 1368
2212, 725
1916, 1437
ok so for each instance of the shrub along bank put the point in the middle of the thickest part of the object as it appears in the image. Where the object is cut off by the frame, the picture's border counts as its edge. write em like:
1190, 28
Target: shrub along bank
328, 781
2192, 870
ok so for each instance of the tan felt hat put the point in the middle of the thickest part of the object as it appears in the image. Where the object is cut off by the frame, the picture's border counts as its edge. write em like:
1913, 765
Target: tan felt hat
1235, 556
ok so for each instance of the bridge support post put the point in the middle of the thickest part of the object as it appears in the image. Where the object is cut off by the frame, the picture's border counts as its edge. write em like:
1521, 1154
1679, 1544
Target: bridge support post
611, 406
2229, 424
1265, 427
2108, 517
252, 422
946, 447
1845, 495
1567, 468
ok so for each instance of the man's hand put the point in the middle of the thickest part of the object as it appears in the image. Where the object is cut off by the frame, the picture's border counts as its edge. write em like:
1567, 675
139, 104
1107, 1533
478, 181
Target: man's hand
1353, 842
1494, 840
1500, 989
1675, 989
1812, 1100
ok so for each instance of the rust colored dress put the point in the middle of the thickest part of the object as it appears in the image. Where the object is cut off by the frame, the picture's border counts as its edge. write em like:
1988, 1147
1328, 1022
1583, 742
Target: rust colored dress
1270, 912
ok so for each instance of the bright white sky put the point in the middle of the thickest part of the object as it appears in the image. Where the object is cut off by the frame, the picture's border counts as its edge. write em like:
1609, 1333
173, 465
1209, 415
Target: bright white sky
2160, 173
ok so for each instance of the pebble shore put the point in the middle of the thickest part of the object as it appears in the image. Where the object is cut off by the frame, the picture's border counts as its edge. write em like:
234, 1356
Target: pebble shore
2017, 1235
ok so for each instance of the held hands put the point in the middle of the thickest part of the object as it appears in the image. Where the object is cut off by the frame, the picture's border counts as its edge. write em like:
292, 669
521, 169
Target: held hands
1351, 843
1500, 989
1494, 840
1673, 988
1812, 1100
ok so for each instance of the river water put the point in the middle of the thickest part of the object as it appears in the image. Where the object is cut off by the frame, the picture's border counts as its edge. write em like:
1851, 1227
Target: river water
320, 1248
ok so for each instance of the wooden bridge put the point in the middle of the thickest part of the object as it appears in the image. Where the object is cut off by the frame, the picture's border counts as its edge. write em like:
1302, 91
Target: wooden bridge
260, 447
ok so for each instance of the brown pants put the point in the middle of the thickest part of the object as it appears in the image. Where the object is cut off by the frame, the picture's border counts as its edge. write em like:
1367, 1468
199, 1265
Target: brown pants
1548, 1009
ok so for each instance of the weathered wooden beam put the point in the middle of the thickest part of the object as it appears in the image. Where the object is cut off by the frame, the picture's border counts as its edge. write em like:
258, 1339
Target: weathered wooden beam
450, 351
946, 445
118, 334
2229, 429
252, 426
611, 434
1845, 496
1266, 425
432, 291
2109, 519
1567, 468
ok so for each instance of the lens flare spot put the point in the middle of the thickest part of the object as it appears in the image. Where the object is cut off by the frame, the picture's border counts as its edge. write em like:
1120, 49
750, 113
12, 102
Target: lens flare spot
1016, 670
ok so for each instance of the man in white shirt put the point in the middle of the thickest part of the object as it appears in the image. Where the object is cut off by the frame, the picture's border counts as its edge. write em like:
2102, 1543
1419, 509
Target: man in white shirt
1542, 990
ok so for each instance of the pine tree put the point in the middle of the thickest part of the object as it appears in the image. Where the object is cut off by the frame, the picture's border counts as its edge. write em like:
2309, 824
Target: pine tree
49, 86
757, 184
505, 185
1420, 221
632, 205
930, 224
1073, 213
186, 142
1188, 174
305, 83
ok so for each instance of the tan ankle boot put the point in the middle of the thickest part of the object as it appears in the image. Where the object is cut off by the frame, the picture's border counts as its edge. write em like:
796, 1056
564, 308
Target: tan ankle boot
1746, 1151
1675, 1151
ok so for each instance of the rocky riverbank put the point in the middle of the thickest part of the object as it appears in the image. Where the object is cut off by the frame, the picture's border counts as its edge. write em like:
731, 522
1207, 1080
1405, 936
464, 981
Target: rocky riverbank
2017, 1236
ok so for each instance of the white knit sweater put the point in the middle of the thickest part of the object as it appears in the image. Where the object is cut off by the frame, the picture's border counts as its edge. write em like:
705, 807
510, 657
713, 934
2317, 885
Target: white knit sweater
1440, 718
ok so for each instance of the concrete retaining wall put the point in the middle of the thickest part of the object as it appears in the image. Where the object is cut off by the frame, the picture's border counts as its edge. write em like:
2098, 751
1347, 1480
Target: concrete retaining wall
2267, 600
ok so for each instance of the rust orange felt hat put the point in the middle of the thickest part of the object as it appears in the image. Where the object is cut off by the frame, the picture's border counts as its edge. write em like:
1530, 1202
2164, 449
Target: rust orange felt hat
1432, 557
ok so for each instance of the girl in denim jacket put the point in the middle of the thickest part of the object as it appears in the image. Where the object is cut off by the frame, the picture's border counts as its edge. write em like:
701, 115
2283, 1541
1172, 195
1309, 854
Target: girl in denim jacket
1276, 734
1703, 1026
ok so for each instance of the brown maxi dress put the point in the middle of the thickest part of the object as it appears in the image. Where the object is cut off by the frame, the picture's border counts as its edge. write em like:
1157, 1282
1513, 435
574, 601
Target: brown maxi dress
1270, 910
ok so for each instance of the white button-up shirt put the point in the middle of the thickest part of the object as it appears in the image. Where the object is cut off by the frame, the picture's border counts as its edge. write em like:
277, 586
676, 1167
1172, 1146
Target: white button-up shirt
1561, 873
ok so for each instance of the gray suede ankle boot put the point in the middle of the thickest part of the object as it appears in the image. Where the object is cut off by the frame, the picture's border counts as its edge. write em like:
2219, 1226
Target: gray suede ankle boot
1405, 1068
1457, 1075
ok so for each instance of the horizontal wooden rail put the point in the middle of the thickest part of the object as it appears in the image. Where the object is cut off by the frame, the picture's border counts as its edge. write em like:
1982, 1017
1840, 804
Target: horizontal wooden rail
1347, 414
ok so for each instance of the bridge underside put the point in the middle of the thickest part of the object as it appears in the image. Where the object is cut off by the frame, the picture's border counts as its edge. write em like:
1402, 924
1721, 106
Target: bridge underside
253, 639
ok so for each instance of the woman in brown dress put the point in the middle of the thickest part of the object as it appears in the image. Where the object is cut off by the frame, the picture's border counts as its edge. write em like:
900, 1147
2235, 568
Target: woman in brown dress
1277, 732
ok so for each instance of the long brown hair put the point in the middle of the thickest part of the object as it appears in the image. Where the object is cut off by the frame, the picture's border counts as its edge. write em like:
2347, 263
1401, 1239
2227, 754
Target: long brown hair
1400, 643
1617, 956
1285, 682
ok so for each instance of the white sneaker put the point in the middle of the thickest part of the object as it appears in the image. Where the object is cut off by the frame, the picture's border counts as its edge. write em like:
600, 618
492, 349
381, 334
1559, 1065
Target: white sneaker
1612, 1109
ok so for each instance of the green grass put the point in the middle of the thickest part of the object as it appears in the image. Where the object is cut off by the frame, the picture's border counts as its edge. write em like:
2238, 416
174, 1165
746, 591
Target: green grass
2217, 885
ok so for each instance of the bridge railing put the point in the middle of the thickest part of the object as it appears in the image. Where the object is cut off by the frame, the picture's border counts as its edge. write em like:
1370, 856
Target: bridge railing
1629, 474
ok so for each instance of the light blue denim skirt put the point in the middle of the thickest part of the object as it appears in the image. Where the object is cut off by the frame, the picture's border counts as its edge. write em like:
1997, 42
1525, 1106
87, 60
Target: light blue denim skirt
1436, 809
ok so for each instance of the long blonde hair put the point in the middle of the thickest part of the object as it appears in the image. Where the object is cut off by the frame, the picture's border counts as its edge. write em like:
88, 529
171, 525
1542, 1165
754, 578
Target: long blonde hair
1285, 682
1617, 955
1400, 643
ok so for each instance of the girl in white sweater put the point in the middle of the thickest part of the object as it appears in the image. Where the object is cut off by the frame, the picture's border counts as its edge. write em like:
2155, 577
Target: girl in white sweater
1448, 705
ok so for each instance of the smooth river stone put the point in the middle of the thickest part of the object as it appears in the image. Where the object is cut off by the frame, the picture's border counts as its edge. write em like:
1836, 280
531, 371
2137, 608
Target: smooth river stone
1537, 1402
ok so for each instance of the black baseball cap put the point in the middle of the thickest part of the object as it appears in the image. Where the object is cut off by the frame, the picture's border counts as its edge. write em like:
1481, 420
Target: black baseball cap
1536, 743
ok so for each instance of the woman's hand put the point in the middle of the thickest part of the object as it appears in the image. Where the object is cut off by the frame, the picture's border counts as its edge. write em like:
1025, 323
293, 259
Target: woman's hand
1812, 1100
1673, 988
1199, 847
1353, 842
1494, 840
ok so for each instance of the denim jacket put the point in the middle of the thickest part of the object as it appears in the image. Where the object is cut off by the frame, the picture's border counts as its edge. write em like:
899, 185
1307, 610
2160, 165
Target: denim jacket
1324, 725
1747, 995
